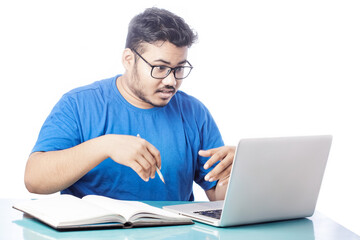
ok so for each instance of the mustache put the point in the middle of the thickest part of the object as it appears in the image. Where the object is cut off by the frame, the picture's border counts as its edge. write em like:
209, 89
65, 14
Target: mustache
166, 88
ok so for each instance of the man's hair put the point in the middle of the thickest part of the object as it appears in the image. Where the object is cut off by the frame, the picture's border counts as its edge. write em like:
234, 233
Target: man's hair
156, 24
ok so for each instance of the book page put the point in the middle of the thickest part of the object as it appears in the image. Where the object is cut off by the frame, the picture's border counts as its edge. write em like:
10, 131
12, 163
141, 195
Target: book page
67, 210
157, 213
113, 205
133, 210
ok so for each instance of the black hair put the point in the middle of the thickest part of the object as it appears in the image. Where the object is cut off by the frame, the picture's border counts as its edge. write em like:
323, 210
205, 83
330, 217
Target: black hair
156, 24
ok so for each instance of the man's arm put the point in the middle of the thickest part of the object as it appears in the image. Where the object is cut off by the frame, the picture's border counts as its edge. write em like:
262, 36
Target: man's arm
221, 172
53, 171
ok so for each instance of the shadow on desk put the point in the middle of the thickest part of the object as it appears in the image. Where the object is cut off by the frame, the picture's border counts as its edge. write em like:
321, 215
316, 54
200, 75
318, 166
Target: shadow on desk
294, 229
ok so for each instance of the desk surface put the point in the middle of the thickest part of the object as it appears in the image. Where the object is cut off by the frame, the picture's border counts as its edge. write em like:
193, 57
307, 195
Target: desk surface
13, 225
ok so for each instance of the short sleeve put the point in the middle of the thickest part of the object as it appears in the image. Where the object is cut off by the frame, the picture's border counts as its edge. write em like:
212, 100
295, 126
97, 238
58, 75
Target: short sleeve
60, 130
210, 137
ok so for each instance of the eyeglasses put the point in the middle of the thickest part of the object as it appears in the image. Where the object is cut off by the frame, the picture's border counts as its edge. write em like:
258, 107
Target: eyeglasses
161, 71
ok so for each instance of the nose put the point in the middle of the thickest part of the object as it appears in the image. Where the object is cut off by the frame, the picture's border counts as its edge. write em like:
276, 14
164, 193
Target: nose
170, 80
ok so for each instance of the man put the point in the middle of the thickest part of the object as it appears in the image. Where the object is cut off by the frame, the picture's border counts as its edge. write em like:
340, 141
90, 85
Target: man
107, 138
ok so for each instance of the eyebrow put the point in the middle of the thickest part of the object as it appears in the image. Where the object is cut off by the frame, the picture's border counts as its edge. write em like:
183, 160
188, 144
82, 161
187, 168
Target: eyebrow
168, 63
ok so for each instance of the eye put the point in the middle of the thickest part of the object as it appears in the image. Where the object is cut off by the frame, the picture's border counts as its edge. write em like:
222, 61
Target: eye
180, 70
161, 69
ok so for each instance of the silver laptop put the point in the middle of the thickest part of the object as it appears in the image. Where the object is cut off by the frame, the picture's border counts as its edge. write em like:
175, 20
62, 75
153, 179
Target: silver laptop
271, 179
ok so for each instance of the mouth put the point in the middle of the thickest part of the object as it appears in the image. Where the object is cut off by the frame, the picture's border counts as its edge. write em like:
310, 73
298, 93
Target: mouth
166, 93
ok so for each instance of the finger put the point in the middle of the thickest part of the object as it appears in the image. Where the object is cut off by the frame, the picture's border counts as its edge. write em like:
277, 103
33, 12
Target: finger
208, 153
221, 170
151, 154
138, 168
148, 164
224, 181
223, 175
217, 156
155, 154
147, 156
217, 174
220, 154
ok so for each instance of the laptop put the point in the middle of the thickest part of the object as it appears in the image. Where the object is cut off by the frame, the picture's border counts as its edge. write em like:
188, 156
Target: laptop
272, 179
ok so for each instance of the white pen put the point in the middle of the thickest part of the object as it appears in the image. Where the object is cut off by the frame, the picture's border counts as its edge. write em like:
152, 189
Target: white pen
157, 169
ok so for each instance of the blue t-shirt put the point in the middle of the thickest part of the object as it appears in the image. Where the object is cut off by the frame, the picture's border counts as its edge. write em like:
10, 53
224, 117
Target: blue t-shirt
178, 130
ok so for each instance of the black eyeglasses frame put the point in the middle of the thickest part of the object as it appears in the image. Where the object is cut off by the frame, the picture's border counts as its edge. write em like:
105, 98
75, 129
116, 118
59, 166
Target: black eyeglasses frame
170, 69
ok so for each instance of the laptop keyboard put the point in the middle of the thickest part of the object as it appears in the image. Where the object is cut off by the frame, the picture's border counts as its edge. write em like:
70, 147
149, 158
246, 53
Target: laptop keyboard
211, 213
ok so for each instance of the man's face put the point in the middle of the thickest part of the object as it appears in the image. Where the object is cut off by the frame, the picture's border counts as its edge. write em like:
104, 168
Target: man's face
146, 91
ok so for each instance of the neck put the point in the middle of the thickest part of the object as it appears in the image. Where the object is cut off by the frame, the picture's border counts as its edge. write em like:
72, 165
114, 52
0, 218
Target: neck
127, 93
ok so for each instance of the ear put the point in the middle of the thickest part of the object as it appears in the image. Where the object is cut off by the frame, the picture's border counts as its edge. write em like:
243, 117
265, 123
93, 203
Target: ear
128, 59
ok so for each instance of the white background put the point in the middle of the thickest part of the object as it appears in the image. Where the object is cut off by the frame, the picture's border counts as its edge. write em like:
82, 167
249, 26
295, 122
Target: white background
263, 68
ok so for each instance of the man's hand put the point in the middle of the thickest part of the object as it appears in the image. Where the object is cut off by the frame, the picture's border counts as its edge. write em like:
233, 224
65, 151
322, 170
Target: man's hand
135, 153
53, 171
222, 171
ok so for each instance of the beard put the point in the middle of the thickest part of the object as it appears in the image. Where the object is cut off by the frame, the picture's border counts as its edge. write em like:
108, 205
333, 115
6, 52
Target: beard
136, 87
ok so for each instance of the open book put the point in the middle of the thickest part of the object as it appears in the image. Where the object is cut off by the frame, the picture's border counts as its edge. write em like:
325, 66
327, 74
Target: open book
69, 212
